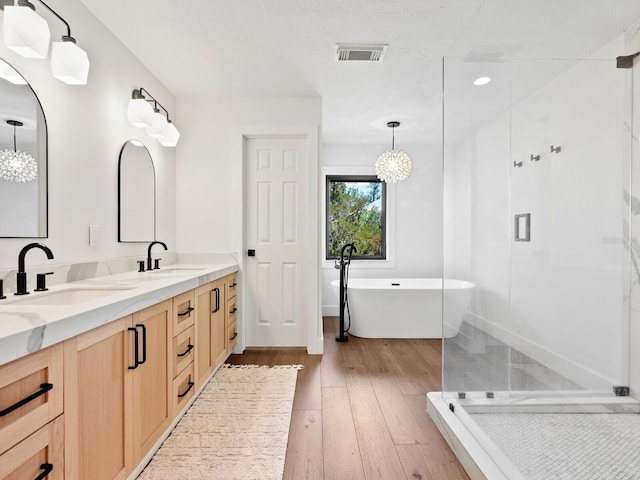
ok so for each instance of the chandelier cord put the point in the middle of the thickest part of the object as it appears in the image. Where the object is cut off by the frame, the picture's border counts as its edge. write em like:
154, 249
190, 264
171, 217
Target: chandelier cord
15, 149
393, 137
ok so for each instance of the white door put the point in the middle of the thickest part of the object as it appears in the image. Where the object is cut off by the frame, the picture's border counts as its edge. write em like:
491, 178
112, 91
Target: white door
276, 212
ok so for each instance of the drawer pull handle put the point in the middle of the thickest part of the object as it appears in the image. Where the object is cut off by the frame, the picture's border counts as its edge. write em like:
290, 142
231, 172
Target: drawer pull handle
44, 388
136, 355
191, 384
217, 291
47, 468
233, 310
186, 352
144, 342
235, 334
189, 310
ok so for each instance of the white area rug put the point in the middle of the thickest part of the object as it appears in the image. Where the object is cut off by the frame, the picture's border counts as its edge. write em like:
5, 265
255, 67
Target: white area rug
236, 430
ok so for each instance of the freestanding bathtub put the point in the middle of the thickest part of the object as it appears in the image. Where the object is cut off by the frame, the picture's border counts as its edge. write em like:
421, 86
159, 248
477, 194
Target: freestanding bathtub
405, 307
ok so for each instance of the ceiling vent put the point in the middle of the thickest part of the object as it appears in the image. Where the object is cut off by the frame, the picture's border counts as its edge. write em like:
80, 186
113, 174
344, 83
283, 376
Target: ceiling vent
360, 53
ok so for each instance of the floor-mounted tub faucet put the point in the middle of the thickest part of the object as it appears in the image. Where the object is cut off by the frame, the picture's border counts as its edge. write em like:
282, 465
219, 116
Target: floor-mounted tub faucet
149, 261
21, 276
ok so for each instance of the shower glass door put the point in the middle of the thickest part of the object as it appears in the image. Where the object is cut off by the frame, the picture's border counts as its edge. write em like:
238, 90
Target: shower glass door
538, 211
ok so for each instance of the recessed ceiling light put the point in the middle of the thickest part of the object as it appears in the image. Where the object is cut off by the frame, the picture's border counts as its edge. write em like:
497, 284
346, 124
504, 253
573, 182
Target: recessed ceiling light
482, 81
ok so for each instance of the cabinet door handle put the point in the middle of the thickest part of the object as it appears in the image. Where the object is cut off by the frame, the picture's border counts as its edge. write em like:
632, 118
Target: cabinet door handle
235, 334
191, 384
217, 291
44, 388
186, 352
47, 468
144, 343
189, 310
136, 356
233, 310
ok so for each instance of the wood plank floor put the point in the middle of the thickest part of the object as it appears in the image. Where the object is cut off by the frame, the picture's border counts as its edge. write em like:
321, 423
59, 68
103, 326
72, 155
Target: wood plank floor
359, 411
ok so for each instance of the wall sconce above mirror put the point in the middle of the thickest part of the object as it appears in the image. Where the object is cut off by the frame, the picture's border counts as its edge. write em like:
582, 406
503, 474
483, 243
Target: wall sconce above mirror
143, 111
136, 194
27, 33
23, 136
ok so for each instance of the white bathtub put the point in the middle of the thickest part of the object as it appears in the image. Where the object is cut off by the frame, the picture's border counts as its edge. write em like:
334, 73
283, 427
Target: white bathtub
405, 307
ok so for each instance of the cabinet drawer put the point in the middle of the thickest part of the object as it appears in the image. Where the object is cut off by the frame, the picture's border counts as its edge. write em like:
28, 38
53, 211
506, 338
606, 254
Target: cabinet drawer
36, 455
183, 389
183, 311
231, 309
231, 286
30, 394
183, 350
233, 335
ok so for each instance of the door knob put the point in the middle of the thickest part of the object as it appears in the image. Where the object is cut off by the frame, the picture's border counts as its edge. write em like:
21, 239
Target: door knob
251, 253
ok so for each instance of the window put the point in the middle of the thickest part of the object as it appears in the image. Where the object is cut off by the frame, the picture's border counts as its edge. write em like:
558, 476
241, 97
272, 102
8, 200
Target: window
356, 212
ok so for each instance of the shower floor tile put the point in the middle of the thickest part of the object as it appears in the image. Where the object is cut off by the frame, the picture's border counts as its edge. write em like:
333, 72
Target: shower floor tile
567, 446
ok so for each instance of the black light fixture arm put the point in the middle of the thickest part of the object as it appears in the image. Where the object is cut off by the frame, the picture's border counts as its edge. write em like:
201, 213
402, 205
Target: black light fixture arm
65, 38
143, 94
626, 61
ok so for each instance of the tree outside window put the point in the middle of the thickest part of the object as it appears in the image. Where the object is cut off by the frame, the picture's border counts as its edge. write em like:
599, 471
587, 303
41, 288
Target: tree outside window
356, 213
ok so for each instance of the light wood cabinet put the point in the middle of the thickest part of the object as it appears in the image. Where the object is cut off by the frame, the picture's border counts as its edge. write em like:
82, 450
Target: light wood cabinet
118, 387
31, 394
40, 454
183, 311
98, 385
183, 388
184, 347
206, 298
123, 383
214, 302
152, 385
232, 309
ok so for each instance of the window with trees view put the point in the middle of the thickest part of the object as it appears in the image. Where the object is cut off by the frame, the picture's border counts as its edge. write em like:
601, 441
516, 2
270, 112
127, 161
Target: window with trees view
356, 209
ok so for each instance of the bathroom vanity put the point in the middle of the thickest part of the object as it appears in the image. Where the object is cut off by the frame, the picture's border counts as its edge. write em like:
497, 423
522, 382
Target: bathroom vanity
95, 374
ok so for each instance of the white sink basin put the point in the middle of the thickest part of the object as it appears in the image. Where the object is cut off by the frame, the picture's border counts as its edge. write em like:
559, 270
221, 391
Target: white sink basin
68, 296
173, 270
178, 269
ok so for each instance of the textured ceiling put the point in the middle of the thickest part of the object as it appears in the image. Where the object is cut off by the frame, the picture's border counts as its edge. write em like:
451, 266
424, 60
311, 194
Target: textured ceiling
209, 48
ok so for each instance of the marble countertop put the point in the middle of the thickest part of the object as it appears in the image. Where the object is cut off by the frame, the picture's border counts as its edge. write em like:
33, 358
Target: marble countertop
26, 328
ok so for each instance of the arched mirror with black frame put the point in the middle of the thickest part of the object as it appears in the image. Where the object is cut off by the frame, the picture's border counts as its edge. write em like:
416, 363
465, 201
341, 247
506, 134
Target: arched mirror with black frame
136, 194
23, 158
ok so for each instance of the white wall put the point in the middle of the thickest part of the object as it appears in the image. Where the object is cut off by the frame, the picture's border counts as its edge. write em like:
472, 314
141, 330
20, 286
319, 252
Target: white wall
87, 126
208, 165
562, 297
415, 239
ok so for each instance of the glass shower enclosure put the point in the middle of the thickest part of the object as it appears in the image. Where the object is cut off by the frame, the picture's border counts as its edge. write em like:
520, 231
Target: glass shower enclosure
540, 214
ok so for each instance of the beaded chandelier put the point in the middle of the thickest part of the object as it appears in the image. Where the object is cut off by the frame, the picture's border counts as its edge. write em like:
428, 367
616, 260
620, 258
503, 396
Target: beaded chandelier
15, 165
393, 165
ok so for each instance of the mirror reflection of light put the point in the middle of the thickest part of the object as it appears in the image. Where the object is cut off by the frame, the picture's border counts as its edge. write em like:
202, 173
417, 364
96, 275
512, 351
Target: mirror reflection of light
10, 75
482, 81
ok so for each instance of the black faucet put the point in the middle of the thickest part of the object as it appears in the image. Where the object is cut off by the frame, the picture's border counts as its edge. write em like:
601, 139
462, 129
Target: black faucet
22, 274
149, 261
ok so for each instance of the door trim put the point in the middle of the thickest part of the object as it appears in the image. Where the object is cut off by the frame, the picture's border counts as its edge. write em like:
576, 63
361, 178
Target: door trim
239, 137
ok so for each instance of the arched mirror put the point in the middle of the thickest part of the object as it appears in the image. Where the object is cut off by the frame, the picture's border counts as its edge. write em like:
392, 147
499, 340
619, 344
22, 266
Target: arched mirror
23, 158
136, 194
